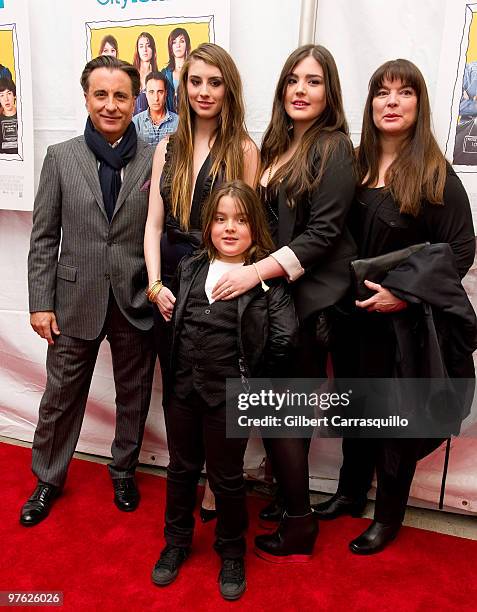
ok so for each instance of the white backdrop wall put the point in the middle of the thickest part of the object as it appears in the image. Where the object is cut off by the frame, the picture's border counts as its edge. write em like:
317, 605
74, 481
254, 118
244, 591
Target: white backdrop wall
361, 35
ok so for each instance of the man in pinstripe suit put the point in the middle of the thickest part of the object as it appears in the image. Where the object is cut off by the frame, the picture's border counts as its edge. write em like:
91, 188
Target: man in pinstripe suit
87, 277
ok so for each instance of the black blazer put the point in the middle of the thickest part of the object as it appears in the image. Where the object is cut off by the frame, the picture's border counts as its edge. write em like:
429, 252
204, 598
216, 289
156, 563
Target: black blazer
266, 323
321, 239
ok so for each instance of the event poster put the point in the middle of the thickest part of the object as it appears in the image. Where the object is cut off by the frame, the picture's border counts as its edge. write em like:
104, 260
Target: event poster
153, 35
456, 94
16, 117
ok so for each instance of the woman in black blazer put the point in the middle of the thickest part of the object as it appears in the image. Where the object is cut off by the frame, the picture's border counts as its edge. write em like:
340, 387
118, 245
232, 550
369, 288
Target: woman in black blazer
307, 186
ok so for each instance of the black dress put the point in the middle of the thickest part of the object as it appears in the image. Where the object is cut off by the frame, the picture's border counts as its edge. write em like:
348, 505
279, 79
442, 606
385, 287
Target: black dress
379, 228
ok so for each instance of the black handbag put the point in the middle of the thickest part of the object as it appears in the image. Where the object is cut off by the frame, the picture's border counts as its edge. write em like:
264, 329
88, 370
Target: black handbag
375, 269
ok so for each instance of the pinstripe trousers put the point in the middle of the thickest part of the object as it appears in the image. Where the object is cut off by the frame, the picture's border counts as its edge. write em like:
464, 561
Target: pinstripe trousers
69, 365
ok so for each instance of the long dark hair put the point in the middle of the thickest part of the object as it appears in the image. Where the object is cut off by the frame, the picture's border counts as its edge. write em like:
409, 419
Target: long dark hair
152, 42
419, 171
328, 130
248, 201
172, 36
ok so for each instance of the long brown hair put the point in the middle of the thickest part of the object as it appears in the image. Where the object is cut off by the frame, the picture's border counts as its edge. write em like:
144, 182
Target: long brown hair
419, 171
246, 200
152, 42
176, 32
230, 136
329, 129
109, 39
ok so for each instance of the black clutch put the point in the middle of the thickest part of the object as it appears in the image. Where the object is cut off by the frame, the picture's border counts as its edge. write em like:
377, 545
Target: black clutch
375, 268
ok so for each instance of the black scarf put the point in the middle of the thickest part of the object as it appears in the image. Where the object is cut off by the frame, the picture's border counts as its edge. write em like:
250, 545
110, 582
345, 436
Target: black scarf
111, 160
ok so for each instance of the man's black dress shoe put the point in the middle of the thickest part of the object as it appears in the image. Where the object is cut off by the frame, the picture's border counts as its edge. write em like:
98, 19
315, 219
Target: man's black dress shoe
232, 583
126, 494
167, 567
376, 537
339, 505
38, 505
207, 515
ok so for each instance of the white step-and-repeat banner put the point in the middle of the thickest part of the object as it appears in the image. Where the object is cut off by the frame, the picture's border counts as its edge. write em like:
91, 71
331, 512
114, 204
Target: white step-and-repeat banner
437, 35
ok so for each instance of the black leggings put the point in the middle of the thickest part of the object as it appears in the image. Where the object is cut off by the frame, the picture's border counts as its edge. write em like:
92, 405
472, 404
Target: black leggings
289, 456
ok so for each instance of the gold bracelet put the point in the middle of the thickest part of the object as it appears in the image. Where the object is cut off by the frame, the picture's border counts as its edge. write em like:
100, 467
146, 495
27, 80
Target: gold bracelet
265, 287
153, 290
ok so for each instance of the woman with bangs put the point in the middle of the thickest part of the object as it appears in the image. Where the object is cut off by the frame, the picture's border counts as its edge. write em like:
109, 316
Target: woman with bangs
408, 194
307, 185
178, 47
145, 60
109, 46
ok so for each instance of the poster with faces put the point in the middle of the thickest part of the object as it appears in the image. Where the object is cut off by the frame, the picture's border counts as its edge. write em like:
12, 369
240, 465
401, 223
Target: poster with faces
155, 36
16, 125
455, 108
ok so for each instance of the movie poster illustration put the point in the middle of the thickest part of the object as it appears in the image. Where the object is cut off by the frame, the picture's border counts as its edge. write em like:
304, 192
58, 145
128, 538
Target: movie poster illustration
155, 37
16, 129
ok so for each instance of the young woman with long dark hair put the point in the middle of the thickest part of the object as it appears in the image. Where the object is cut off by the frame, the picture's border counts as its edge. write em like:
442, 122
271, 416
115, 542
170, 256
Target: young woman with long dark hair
307, 185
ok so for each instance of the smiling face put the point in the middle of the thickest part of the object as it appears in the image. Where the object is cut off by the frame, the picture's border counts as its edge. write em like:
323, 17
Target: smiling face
179, 46
395, 109
108, 49
305, 94
110, 102
144, 49
230, 231
205, 89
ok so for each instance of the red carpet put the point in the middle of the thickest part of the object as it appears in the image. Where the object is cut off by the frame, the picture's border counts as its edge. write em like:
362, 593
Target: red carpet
101, 559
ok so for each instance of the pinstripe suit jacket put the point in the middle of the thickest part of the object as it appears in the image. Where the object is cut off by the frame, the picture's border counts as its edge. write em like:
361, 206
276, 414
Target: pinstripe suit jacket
76, 255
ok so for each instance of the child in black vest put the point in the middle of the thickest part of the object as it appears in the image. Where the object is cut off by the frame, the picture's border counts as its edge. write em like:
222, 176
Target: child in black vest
238, 338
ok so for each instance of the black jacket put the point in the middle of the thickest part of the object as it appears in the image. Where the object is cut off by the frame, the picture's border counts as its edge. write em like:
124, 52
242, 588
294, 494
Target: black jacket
442, 337
430, 278
266, 323
316, 230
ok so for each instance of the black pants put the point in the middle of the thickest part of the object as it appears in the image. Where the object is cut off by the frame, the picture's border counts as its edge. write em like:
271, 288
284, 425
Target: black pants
69, 367
395, 461
196, 433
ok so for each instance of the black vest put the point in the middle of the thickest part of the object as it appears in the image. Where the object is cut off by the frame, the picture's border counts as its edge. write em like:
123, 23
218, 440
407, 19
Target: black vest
207, 351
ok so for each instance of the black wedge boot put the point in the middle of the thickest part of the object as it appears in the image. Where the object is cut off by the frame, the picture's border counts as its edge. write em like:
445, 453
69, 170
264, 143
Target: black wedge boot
292, 542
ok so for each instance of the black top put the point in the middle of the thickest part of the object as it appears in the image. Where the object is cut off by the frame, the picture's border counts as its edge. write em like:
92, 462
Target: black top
203, 188
207, 346
380, 228
177, 242
315, 229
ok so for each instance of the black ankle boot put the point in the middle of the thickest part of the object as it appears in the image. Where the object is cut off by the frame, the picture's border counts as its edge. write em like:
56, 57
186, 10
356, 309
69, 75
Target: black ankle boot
292, 542
338, 505
376, 537
271, 515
